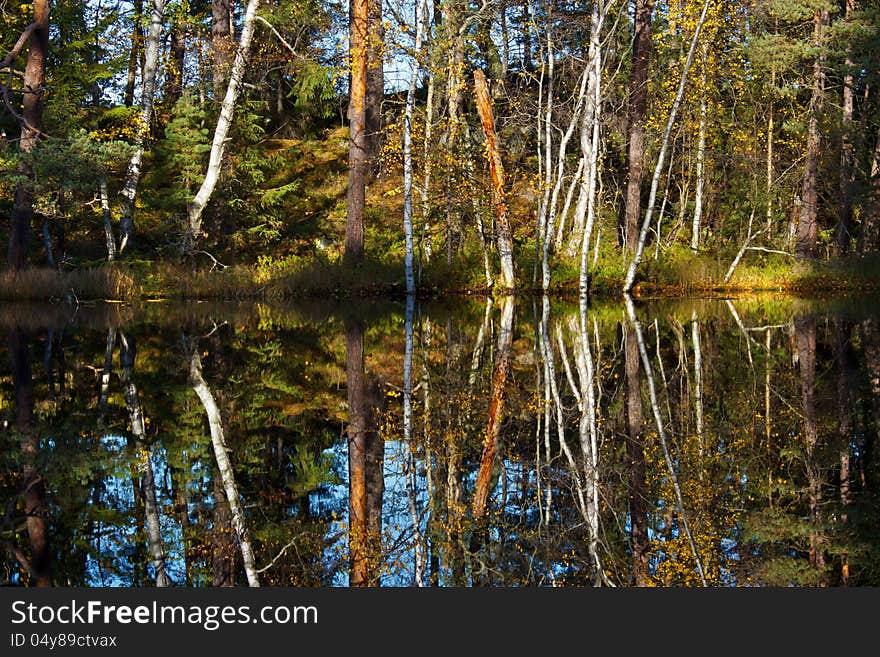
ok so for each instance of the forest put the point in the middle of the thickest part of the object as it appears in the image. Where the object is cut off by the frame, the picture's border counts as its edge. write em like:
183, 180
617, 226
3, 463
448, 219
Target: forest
453, 293
177, 148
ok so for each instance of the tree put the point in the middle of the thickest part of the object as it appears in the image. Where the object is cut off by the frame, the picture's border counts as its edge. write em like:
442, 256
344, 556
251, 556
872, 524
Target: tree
133, 176
357, 149
36, 35
224, 122
807, 228
638, 108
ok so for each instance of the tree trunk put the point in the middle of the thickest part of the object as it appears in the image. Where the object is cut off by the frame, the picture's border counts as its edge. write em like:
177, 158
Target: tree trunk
31, 127
844, 220
143, 457
374, 92
869, 240
496, 170
845, 402
177, 61
224, 467
357, 149
221, 44
133, 175
658, 169
701, 157
134, 54
224, 122
222, 544
421, 7
807, 228
106, 218
638, 109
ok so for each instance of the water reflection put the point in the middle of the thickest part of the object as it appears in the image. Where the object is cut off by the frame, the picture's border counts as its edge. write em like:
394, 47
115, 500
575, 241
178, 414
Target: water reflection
507, 442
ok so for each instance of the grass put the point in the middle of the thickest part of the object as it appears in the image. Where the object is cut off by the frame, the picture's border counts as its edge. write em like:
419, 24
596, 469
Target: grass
678, 273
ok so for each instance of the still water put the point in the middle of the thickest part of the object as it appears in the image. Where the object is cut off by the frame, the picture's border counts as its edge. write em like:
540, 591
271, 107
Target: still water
526, 442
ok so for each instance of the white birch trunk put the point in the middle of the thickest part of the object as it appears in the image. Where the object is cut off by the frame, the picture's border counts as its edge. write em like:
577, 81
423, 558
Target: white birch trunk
701, 157
227, 109
227, 476
133, 175
105, 216
407, 150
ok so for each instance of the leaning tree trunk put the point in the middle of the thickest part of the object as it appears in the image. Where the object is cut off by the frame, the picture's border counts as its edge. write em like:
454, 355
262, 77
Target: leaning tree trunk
31, 119
224, 467
133, 175
496, 170
134, 54
807, 228
224, 122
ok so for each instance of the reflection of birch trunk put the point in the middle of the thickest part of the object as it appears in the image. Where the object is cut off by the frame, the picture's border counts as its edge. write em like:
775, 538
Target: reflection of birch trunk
222, 545
871, 341
661, 432
496, 408
224, 467
805, 332
635, 452
127, 355
698, 383
589, 437
105, 375
410, 462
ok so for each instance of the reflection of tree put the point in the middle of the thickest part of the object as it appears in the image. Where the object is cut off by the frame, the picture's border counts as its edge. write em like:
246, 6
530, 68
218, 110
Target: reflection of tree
224, 467
32, 488
147, 485
805, 331
365, 456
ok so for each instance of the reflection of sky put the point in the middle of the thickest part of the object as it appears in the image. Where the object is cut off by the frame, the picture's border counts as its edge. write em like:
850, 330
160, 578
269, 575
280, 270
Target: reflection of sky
115, 541
397, 525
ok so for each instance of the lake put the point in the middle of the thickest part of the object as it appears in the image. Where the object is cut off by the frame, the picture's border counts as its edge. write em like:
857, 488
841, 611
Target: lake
468, 442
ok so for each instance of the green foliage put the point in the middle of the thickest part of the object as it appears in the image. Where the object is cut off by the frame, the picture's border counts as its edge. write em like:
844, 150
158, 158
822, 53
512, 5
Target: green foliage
181, 157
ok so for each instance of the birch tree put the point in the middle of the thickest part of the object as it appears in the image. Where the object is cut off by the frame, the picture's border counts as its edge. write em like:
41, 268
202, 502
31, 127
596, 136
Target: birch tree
227, 110
658, 168
421, 8
148, 93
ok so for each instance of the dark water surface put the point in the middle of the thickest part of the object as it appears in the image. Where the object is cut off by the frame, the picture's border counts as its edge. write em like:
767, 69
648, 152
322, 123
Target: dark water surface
506, 443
